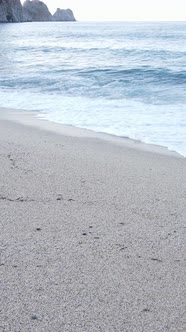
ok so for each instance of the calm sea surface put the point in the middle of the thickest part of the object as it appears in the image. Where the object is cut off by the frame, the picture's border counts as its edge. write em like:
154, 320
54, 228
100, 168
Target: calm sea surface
126, 79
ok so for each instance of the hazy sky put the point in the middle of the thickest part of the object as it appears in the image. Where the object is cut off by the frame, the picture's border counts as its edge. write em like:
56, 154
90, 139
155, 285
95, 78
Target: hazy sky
121, 10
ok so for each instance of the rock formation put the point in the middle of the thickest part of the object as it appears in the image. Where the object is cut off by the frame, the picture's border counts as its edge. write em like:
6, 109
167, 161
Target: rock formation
63, 15
36, 10
32, 10
11, 11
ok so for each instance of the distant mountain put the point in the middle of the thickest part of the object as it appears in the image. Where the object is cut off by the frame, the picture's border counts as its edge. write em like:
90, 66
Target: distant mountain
36, 10
11, 11
31, 11
64, 15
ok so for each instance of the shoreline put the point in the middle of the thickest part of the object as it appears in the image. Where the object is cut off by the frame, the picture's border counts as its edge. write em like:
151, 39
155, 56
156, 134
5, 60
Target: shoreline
34, 118
92, 232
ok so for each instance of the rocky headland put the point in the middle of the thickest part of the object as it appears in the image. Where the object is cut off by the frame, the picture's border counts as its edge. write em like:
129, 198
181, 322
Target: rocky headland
11, 11
31, 11
36, 11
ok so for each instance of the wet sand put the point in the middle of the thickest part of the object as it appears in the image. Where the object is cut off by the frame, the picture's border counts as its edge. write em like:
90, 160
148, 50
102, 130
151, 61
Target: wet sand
92, 231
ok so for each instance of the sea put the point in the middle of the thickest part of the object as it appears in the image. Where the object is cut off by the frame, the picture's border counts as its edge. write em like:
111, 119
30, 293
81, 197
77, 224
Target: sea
122, 78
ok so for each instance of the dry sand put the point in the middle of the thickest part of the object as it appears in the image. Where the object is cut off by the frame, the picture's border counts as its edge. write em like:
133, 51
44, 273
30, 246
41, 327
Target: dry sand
92, 231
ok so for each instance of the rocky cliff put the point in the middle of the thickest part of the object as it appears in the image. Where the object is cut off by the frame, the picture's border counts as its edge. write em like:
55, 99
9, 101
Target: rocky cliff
63, 15
11, 11
32, 10
36, 10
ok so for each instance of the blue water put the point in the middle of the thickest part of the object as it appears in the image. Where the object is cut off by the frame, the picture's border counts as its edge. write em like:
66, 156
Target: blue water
126, 79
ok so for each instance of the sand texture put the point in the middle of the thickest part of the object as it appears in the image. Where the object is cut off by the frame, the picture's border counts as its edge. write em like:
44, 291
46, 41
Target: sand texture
92, 234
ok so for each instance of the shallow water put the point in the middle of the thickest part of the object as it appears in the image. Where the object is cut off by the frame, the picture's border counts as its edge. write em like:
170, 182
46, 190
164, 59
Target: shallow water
126, 79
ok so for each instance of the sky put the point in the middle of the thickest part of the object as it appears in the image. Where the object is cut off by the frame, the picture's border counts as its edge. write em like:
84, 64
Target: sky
123, 10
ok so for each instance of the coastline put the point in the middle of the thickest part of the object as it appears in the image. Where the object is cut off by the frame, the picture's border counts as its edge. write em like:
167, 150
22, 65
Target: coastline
35, 119
92, 231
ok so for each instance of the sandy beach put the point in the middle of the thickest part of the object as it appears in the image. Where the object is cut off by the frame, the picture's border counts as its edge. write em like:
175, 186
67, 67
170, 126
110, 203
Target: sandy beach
92, 231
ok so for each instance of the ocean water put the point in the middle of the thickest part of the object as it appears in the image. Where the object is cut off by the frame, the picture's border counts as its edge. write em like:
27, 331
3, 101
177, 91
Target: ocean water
125, 79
